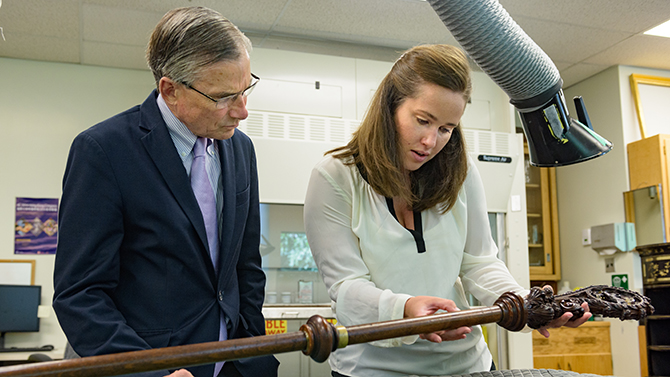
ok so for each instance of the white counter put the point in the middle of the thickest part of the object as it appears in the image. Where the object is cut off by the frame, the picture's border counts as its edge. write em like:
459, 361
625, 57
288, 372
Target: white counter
297, 311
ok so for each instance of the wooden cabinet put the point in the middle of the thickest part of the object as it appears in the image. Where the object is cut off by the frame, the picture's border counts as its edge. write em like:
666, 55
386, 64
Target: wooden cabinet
542, 213
648, 164
586, 349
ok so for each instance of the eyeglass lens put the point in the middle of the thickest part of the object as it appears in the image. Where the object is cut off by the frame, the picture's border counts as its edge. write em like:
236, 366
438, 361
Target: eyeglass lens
225, 101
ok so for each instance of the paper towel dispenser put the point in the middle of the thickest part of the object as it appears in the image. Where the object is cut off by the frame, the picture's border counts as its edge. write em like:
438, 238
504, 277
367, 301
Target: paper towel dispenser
611, 238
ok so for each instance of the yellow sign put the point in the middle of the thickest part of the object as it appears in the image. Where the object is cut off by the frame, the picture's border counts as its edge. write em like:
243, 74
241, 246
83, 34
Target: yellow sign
275, 326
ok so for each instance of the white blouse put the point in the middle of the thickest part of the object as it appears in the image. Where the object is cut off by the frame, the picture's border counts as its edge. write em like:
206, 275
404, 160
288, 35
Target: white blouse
371, 266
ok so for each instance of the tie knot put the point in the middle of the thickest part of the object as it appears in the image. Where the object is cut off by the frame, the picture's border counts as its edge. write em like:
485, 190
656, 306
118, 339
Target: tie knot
201, 146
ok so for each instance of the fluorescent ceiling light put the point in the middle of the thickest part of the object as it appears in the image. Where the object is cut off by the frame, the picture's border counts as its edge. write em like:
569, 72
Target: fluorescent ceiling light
662, 30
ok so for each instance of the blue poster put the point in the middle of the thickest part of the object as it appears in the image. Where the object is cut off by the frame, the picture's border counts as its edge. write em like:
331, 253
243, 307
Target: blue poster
36, 227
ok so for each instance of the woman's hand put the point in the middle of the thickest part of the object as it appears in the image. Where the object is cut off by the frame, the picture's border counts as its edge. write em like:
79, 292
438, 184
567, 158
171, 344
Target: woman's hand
420, 306
566, 320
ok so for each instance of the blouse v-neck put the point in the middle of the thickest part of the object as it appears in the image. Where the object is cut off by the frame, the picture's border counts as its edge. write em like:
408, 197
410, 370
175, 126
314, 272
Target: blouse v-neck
417, 232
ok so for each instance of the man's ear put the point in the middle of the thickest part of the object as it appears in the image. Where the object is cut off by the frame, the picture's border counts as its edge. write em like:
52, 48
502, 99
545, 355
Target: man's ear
168, 90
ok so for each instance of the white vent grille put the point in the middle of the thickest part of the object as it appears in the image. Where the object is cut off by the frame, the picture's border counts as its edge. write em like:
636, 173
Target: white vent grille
317, 129
502, 143
337, 131
298, 127
275, 126
254, 125
487, 142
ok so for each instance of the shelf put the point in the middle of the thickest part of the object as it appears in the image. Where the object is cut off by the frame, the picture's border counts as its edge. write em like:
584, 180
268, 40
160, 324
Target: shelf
291, 269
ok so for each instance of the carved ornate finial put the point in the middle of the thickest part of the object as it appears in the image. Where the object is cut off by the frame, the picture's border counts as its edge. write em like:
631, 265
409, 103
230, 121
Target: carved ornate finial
514, 315
612, 302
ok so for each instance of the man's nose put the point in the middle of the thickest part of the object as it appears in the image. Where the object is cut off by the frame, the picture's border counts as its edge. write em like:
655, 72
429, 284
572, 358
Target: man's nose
238, 108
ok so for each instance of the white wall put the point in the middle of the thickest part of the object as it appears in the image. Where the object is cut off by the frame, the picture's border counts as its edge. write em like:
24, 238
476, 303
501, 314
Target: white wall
591, 193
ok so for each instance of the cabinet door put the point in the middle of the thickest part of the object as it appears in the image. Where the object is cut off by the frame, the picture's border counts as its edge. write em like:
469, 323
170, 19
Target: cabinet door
593, 363
549, 362
542, 217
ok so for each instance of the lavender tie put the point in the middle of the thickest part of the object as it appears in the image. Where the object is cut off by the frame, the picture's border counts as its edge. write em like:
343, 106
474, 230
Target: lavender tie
205, 194
207, 201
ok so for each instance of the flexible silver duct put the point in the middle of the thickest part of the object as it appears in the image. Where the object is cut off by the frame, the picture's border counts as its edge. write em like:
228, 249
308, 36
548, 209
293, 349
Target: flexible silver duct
500, 47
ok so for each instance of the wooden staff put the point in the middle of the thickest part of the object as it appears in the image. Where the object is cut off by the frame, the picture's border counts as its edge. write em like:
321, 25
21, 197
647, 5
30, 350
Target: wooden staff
318, 338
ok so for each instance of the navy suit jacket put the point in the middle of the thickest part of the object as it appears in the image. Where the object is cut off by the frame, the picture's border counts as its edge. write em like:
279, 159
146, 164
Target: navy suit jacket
132, 268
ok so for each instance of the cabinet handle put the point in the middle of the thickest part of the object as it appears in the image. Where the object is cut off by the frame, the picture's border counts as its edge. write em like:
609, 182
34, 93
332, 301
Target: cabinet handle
569, 366
548, 258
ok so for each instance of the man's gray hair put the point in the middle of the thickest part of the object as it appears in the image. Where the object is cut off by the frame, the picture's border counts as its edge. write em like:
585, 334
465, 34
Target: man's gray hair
186, 40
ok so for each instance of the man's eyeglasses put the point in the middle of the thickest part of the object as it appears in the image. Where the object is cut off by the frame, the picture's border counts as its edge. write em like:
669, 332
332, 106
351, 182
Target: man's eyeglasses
226, 100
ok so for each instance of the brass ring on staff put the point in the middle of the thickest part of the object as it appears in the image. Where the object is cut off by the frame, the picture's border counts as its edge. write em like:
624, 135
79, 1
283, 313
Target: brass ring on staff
342, 336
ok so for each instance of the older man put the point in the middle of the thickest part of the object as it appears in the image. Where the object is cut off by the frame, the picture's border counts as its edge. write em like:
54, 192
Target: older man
159, 218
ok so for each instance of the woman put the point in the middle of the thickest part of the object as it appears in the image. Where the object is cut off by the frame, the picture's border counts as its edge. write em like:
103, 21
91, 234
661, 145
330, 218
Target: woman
397, 223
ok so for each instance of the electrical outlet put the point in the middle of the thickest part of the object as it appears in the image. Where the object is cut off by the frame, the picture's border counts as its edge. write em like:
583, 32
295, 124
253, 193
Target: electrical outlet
586, 237
609, 265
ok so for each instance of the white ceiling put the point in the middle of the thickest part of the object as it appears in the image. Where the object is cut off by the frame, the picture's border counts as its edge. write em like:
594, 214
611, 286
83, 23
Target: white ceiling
582, 37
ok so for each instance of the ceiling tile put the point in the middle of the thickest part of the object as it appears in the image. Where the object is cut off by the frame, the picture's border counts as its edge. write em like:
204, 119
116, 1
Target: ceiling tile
569, 43
41, 17
641, 50
392, 23
312, 46
38, 47
117, 25
113, 55
254, 15
579, 72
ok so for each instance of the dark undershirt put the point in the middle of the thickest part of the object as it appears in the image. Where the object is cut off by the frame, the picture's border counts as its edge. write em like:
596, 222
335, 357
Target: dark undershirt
417, 233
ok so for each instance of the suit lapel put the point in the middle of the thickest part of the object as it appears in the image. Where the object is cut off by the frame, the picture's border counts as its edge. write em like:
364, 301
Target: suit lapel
227, 156
161, 149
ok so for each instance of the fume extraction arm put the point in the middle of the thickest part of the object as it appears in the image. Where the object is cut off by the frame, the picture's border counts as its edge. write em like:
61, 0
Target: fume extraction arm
520, 68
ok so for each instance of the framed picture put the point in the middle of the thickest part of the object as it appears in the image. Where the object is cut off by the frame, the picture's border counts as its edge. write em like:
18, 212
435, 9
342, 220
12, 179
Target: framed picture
651, 95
